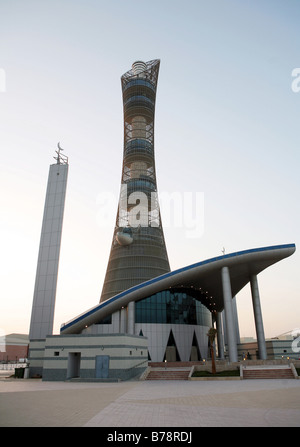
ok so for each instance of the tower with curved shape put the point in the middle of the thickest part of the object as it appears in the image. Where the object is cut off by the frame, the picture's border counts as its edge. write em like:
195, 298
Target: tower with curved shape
138, 251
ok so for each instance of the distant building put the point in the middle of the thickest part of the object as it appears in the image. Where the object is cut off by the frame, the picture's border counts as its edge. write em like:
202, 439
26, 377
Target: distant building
276, 349
247, 340
14, 347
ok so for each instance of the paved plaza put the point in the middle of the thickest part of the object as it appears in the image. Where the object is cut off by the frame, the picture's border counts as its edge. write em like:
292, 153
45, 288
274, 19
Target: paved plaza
238, 403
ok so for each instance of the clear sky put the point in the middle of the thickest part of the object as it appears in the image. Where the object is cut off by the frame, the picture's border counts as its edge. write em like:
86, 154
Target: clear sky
227, 126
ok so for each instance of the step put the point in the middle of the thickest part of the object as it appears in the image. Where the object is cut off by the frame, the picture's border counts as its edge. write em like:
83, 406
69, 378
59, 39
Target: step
168, 374
92, 379
173, 364
268, 373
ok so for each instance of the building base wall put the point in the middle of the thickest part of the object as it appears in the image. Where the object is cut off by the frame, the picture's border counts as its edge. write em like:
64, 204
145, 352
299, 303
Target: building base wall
173, 342
189, 342
36, 357
89, 357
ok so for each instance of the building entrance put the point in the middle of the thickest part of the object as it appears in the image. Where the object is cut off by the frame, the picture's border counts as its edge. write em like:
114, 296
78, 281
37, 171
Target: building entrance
73, 365
102, 366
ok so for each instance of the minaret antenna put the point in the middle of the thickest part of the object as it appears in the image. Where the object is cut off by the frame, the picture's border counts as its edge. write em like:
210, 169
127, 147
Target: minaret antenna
60, 159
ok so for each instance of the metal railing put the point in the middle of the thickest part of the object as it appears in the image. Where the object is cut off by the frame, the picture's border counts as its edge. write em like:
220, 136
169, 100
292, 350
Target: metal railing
12, 366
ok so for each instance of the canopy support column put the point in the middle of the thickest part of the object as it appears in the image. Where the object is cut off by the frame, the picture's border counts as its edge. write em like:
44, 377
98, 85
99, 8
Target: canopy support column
229, 318
261, 342
131, 317
220, 337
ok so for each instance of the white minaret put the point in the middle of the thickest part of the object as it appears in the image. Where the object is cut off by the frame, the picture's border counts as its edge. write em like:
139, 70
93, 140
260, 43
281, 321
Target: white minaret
42, 314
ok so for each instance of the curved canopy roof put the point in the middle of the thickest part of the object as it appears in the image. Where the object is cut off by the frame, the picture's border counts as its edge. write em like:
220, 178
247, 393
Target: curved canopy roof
204, 275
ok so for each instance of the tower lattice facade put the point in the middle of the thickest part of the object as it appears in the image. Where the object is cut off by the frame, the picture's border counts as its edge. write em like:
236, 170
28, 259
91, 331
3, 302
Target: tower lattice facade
138, 252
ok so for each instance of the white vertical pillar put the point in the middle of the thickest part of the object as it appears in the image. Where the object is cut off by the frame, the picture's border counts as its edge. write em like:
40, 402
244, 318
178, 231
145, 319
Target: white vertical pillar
235, 315
123, 320
261, 342
42, 314
224, 327
229, 318
131, 317
220, 337
116, 322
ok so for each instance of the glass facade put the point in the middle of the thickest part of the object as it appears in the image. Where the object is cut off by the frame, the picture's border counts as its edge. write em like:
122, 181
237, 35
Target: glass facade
173, 306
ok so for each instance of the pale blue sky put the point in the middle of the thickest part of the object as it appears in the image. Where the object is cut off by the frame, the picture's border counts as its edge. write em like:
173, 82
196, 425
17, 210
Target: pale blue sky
227, 125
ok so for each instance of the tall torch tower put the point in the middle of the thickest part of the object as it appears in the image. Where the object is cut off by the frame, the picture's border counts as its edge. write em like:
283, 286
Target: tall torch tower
138, 252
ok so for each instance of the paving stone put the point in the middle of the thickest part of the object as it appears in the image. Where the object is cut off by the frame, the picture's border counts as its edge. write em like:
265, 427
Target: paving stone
245, 403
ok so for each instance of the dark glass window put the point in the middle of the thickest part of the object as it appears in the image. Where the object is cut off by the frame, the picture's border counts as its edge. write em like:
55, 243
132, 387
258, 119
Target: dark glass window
139, 82
106, 320
173, 306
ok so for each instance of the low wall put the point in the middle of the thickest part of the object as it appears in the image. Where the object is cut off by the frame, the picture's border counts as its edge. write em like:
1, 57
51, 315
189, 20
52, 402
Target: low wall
223, 365
69, 356
226, 366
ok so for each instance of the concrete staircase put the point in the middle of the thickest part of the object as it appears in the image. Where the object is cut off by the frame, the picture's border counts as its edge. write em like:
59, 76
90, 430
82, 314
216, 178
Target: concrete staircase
168, 374
264, 372
172, 370
169, 370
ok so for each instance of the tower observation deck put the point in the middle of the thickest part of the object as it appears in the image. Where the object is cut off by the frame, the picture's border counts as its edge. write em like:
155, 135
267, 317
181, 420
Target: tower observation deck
138, 251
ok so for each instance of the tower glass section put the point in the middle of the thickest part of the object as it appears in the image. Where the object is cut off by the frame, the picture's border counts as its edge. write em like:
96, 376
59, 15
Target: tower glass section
138, 252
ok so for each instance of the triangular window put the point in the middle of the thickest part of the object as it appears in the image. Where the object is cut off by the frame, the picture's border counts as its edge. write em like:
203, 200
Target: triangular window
171, 353
195, 351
